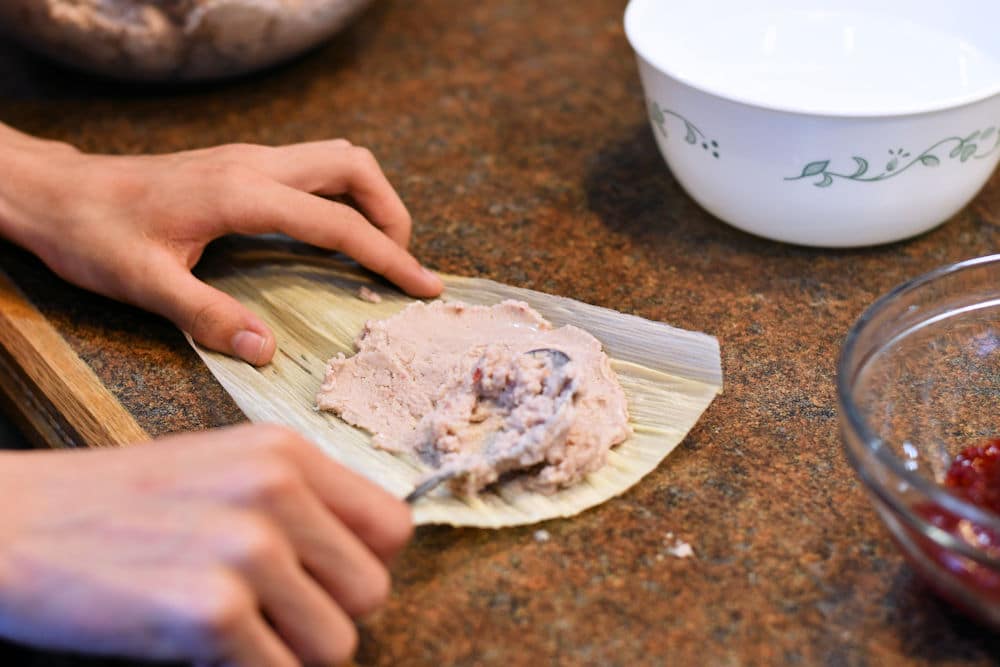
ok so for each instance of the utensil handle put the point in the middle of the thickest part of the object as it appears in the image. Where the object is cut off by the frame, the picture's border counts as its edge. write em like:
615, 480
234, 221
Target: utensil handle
56, 398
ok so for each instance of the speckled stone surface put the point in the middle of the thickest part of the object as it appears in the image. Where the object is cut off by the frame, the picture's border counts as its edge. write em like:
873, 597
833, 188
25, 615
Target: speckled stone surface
516, 134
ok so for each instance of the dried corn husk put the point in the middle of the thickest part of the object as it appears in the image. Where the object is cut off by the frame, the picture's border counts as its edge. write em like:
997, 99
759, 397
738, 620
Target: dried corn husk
669, 375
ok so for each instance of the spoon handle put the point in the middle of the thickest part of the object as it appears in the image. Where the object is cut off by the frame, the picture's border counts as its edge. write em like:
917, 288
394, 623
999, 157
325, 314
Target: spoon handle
429, 484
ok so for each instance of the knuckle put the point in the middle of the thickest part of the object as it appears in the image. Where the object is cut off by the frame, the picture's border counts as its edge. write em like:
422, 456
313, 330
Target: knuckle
226, 176
273, 480
396, 527
276, 439
239, 150
273, 433
374, 594
343, 648
406, 220
257, 542
335, 235
381, 264
205, 320
389, 527
61, 147
200, 323
216, 614
364, 157
121, 185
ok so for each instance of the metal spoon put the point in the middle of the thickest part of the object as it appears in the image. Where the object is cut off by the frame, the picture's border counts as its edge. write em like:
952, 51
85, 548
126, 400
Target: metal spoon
557, 358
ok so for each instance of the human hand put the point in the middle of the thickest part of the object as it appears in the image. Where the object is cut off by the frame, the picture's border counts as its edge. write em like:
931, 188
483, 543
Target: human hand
132, 227
180, 549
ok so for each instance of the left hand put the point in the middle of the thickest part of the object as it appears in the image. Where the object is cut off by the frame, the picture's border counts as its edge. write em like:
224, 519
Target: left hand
239, 546
132, 227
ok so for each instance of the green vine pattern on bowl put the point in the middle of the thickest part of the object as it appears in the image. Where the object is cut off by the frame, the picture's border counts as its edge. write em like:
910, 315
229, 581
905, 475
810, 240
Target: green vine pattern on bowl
693, 135
900, 160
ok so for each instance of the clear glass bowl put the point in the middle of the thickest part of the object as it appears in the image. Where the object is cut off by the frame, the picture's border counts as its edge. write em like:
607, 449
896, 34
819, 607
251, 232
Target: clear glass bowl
174, 40
918, 381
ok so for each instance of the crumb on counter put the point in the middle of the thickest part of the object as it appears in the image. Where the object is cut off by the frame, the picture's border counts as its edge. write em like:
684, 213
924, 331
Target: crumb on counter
369, 295
680, 549
542, 535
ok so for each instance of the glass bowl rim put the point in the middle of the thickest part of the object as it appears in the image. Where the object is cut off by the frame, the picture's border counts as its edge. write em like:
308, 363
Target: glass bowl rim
852, 419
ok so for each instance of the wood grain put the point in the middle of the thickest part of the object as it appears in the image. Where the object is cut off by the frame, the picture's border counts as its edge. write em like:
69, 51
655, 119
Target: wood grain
49, 390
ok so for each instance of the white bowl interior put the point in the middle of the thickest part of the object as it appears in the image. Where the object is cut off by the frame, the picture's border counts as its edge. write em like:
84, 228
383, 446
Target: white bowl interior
852, 57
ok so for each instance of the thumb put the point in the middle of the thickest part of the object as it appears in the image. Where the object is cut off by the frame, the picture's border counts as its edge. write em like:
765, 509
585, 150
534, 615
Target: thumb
212, 318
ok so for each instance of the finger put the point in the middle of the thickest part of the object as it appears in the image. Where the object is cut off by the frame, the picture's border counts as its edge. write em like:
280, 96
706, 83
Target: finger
212, 318
374, 516
279, 208
208, 613
382, 521
255, 644
334, 168
305, 617
337, 558
317, 630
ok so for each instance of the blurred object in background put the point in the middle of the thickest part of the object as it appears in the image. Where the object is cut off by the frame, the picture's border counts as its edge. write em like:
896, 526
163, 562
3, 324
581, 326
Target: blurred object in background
174, 40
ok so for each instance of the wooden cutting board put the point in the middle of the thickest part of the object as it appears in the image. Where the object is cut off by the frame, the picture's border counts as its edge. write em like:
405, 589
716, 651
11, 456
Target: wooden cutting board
52, 394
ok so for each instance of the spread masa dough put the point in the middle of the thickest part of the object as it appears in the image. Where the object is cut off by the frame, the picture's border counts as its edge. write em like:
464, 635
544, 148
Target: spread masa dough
482, 391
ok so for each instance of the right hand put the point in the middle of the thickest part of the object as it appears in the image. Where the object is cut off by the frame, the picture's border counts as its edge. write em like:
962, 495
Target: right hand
243, 546
131, 227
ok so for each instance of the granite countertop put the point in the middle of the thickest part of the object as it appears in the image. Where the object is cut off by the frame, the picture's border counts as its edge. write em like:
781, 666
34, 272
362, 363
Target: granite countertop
515, 132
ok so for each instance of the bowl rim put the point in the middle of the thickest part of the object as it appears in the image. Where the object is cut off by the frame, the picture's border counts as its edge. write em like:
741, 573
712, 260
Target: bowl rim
944, 104
851, 418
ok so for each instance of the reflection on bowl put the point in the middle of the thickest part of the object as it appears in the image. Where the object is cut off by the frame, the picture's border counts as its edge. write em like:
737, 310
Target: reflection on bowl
918, 382
854, 125
178, 40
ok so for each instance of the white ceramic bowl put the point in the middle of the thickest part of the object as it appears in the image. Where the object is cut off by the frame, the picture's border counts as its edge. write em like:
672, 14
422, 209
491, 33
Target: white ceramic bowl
853, 124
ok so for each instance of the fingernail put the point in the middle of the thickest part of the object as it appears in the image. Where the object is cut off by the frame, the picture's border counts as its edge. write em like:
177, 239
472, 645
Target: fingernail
248, 345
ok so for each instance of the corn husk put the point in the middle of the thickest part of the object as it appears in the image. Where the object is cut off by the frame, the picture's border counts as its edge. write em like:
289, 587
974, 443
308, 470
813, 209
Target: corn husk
669, 375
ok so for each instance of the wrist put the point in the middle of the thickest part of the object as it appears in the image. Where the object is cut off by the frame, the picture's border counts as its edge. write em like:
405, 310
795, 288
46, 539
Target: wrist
11, 139
29, 167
